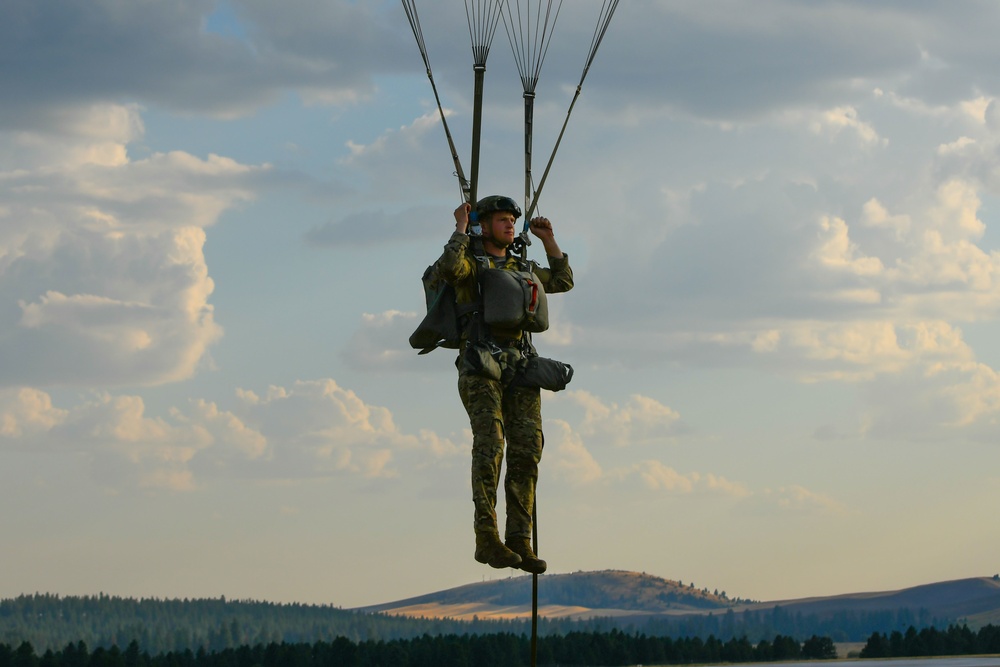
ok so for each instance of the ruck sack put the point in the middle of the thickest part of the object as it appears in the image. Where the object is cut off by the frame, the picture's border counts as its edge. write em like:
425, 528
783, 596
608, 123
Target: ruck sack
442, 326
514, 300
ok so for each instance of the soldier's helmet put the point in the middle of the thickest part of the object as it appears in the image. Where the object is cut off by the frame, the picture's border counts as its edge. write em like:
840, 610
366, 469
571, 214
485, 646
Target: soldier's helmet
489, 205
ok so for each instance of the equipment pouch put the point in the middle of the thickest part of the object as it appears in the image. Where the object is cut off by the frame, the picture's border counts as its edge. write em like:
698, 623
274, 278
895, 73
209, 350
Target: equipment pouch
477, 360
514, 300
440, 327
544, 374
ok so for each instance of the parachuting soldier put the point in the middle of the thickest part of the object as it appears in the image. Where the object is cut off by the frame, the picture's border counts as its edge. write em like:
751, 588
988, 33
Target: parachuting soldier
499, 371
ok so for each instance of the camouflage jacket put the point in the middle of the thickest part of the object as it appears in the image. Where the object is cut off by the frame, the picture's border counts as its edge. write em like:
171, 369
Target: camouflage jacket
460, 269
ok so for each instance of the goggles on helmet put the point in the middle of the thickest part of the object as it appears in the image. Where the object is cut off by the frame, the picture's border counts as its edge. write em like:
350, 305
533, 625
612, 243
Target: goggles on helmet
489, 205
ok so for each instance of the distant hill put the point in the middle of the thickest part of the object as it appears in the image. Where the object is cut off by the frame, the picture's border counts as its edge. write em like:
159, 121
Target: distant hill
619, 594
975, 600
577, 595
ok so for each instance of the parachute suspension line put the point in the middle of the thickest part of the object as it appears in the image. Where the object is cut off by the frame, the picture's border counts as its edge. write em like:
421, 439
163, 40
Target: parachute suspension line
529, 32
607, 11
411, 14
482, 17
603, 21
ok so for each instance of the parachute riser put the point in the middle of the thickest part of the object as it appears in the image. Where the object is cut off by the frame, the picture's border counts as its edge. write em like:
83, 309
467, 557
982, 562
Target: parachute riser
523, 240
529, 121
479, 71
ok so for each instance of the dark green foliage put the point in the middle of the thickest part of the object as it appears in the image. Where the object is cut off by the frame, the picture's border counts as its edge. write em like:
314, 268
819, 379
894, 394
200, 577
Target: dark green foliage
819, 648
50, 622
842, 626
165, 626
487, 650
956, 640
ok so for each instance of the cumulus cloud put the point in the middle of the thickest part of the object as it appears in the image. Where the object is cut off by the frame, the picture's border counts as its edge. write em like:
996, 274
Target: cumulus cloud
26, 411
571, 460
310, 430
144, 451
641, 420
324, 428
659, 477
104, 280
838, 252
833, 121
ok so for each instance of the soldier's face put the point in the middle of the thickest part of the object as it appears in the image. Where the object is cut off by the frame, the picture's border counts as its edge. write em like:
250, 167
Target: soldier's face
500, 228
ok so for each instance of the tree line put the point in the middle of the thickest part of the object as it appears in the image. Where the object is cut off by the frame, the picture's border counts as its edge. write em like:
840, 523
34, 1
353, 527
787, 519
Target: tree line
161, 626
500, 650
956, 640
841, 626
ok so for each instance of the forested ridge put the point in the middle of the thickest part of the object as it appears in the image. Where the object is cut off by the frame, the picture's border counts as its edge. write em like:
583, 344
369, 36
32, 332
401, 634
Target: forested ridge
51, 622
499, 650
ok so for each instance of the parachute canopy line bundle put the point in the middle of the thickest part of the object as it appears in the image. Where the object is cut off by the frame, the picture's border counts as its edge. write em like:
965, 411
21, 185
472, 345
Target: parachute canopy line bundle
529, 26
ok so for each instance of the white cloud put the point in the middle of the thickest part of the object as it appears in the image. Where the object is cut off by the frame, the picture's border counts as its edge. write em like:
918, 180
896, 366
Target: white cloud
641, 420
313, 429
224, 428
838, 252
572, 461
25, 411
317, 427
974, 396
834, 121
659, 477
103, 278
97, 134
955, 212
874, 214
146, 451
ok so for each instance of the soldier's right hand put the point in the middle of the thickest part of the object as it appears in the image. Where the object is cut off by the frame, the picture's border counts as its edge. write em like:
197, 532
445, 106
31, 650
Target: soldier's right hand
462, 217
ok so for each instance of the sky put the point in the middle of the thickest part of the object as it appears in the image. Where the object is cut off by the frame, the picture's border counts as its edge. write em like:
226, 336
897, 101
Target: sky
784, 222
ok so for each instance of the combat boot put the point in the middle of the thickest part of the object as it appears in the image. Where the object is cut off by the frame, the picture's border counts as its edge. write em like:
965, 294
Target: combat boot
529, 561
490, 550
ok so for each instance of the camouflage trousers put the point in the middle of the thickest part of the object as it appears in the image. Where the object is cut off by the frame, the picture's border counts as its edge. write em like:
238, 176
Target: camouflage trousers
500, 414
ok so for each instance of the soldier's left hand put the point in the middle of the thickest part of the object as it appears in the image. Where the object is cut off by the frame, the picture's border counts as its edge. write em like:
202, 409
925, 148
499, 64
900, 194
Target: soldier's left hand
542, 228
